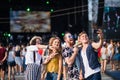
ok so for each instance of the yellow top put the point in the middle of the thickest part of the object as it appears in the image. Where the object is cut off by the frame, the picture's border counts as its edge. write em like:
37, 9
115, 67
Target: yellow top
53, 64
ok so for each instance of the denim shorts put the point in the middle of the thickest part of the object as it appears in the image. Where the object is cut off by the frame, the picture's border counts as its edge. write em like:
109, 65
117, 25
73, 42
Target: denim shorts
12, 63
52, 76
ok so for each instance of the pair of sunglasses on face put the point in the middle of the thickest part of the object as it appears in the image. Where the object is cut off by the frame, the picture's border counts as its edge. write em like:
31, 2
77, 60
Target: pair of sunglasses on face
70, 36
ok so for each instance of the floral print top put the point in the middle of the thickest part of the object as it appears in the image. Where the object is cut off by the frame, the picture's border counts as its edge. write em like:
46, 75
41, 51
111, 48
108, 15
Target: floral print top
72, 73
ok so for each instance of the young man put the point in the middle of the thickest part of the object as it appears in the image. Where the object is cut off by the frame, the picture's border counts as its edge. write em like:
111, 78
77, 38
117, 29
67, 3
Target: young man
69, 56
3, 57
90, 66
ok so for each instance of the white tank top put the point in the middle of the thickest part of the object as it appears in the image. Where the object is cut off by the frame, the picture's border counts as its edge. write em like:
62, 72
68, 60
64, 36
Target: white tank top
88, 71
103, 53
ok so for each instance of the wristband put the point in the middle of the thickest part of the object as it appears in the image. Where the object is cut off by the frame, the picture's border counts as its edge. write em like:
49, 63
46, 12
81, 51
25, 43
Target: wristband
48, 47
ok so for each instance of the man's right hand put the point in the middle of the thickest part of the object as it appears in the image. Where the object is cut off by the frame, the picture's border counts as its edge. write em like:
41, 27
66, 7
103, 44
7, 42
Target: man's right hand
81, 77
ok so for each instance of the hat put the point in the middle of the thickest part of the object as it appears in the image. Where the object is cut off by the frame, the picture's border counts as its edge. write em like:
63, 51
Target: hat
33, 38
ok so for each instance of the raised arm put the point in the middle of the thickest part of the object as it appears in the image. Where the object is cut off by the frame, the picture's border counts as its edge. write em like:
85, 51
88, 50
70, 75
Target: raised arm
98, 44
70, 60
42, 46
50, 56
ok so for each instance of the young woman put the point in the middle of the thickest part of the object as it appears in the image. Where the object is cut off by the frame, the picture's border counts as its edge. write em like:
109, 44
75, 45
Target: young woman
33, 60
18, 60
54, 60
11, 63
103, 57
111, 52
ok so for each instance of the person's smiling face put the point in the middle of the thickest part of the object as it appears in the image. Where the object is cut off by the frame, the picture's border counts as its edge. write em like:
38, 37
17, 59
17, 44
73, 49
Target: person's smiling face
69, 38
84, 38
56, 43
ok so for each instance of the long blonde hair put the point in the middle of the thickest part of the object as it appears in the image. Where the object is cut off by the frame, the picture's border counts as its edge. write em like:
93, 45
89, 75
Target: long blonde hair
17, 48
51, 42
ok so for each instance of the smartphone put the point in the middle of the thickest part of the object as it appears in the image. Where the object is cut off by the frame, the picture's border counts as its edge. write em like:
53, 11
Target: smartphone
96, 31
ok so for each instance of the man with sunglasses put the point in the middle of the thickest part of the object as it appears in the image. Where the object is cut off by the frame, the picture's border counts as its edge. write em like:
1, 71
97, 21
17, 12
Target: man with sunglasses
69, 54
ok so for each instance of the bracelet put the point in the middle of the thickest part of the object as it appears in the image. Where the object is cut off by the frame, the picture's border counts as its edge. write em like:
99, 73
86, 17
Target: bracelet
48, 47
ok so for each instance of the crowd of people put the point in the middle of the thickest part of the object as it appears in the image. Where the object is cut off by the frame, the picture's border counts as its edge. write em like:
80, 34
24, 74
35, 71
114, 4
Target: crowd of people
81, 59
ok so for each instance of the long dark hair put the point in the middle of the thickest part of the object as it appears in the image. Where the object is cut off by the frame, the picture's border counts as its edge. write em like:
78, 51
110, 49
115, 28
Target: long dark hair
10, 47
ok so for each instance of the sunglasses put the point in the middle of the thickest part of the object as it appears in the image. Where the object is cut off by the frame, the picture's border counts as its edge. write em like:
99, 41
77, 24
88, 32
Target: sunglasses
70, 36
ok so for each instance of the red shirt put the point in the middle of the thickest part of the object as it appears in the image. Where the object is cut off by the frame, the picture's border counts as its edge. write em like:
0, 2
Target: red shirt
40, 51
2, 53
99, 52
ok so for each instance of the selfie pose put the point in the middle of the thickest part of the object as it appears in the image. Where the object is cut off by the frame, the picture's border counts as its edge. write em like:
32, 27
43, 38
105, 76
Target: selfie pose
90, 66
